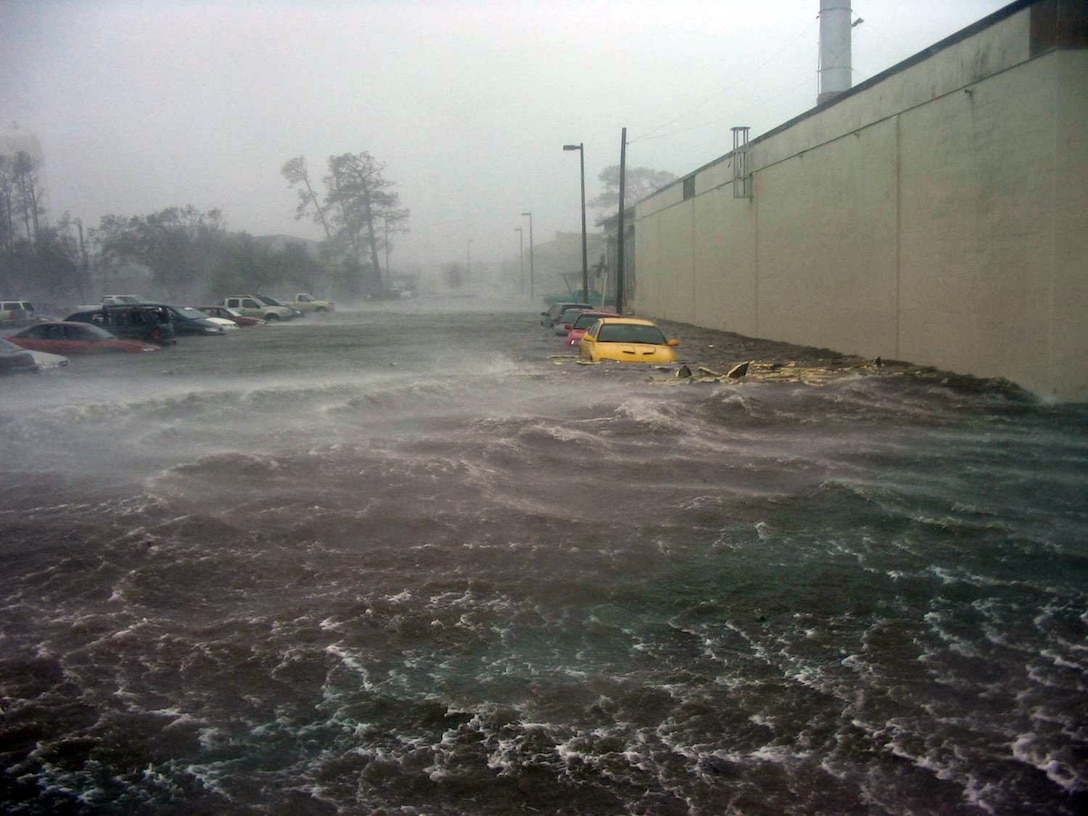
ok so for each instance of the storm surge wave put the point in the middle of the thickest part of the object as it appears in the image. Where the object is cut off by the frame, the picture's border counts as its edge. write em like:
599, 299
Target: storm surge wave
480, 583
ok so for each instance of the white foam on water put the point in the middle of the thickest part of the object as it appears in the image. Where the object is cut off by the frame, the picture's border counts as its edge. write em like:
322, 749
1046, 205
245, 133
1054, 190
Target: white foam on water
1061, 766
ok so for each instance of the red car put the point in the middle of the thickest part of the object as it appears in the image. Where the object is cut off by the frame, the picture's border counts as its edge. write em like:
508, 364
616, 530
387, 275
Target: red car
64, 337
582, 322
226, 313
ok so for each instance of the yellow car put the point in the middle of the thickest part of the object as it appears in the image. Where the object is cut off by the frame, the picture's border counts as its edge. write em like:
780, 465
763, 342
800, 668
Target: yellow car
628, 340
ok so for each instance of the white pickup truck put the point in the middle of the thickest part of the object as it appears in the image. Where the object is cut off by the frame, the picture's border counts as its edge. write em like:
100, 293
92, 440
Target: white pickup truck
250, 306
113, 300
308, 303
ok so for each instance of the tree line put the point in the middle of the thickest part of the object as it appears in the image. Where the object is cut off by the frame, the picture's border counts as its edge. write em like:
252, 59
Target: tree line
185, 254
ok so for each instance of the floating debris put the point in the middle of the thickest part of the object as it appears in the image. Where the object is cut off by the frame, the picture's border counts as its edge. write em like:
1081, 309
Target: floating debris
738, 371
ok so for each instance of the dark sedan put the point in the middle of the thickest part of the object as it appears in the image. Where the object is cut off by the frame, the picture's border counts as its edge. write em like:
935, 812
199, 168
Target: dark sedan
190, 321
144, 321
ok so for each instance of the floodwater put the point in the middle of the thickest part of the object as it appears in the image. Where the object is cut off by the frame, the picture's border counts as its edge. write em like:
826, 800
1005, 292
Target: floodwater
404, 562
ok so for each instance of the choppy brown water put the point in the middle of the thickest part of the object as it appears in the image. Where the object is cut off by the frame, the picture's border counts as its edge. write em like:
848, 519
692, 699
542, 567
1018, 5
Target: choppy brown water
400, 562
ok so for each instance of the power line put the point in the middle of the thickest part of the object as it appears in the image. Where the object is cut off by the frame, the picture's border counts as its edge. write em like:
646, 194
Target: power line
660, 131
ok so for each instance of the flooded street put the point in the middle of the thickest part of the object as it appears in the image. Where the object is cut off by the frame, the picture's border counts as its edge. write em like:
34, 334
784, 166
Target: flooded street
404, 561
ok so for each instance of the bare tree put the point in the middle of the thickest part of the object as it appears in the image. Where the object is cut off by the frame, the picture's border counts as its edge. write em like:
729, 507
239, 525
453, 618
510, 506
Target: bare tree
360, 195
294, 170
20, 198
359, 212
639, 182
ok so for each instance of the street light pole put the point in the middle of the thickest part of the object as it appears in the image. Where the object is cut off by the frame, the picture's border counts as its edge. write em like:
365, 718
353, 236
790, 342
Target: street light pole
521, 259
532, 289
580, 147
621, 269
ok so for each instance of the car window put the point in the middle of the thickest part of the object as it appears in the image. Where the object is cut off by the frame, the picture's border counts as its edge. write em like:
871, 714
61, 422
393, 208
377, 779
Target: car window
626, 333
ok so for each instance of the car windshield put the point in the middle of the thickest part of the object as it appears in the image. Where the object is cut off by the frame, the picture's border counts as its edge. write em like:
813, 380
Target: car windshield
631, 333
269, 300
7, 346
584, 321
558, 308
189, 311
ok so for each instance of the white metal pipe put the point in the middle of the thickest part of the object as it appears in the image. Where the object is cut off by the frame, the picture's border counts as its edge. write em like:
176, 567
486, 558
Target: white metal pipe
835, 56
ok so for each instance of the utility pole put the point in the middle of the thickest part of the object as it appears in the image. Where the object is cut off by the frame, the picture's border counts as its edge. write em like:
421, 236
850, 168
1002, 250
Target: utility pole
521, 260
620, 241
581, 148
532, 289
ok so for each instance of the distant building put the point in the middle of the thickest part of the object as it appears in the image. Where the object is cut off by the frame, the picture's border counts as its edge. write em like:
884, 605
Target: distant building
557, 264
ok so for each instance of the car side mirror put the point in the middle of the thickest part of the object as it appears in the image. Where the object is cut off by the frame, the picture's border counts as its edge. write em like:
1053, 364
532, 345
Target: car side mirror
674, 342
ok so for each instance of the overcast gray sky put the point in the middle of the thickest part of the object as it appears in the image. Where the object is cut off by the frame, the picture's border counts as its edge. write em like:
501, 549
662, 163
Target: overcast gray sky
145, 104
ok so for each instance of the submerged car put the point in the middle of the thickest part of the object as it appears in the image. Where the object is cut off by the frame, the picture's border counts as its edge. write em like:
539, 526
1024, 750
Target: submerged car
627, 340
250, 306
144, 321
292, 311
566, 319
191, 321
226, 313
63, 337
549, 317
16, 360
583, 321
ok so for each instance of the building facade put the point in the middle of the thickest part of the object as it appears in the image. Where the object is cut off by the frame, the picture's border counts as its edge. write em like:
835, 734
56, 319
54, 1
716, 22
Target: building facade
937, 213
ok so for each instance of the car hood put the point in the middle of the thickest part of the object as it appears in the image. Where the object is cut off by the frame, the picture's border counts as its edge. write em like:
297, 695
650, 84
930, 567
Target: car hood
637, 352
47, 360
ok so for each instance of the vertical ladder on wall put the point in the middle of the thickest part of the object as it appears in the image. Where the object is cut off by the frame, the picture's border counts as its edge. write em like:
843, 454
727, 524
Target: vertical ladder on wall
742, 179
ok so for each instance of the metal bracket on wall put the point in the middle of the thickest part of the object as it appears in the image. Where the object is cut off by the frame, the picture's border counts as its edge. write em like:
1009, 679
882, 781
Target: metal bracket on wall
742, 179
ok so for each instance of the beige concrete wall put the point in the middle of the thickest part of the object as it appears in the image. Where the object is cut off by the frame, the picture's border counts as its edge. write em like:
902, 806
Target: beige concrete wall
977, 181
726, 286
827, 245
953, 233
1067, 374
